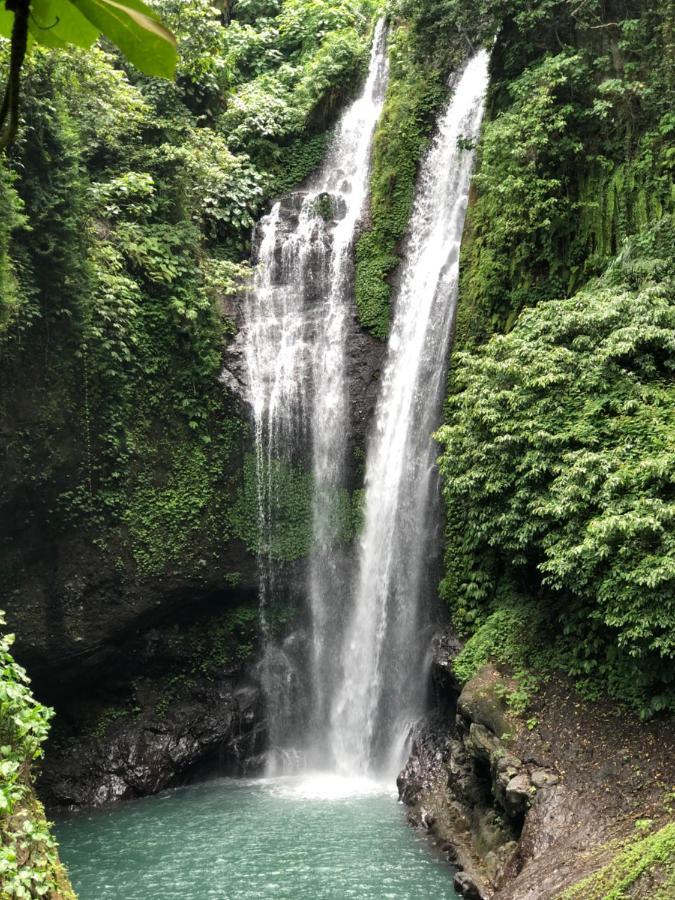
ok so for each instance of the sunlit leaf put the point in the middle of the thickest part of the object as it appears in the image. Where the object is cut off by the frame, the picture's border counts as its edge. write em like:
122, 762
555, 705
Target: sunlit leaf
6, 22
133, 27
57, 23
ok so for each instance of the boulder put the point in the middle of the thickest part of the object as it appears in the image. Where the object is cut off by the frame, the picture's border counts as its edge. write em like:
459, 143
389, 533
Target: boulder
483, 700
542, 778
518, 794
142, 754
467, 887
482, 742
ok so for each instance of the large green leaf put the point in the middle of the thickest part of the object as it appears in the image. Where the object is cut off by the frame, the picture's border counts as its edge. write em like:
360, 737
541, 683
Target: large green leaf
58, 23
6, 21
130, 24
134, 28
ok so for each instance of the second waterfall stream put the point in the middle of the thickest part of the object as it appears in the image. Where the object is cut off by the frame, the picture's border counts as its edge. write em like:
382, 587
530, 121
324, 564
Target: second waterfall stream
345, 688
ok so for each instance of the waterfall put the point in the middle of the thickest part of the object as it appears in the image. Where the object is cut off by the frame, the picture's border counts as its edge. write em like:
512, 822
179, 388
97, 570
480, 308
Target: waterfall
382, 658
293, 335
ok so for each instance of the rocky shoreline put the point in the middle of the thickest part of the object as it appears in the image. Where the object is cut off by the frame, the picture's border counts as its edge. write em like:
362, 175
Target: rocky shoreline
213, 724
519, 811
523, 809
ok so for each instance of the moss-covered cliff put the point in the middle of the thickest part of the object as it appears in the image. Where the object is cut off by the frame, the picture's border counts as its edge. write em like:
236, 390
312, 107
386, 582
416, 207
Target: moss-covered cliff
560, 433
128, 508
126, 210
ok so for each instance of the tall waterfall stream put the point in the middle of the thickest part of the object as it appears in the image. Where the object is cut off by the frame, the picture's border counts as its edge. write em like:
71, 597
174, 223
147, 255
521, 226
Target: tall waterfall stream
344, 689
362, 656
294, 339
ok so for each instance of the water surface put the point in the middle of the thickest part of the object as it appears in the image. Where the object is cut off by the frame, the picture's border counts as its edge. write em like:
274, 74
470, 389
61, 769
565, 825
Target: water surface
296, 838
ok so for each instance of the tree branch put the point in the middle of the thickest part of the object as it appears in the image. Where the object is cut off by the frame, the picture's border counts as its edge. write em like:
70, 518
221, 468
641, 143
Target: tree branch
9, 112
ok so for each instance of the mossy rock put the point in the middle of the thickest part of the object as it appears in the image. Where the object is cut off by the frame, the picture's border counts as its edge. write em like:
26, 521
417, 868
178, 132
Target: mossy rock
484, 700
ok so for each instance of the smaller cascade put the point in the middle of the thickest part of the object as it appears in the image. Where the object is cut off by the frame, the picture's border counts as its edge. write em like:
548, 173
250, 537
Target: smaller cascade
294, 335
382, 684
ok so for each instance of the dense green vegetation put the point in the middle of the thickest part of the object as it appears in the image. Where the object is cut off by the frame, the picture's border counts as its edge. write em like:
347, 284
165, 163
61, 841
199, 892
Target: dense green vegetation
559, 459
558, 452
29, 865
126, 211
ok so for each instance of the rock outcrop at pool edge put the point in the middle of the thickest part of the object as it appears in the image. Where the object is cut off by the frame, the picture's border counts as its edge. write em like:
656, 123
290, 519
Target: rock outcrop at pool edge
217, 721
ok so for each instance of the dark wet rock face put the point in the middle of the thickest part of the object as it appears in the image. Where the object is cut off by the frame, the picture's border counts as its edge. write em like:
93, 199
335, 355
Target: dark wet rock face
218, 720
180, 694
464, 785
526, 812
447, 790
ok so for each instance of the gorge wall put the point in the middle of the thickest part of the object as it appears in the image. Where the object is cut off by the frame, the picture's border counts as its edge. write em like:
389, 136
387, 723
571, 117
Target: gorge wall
128, 519
129, 503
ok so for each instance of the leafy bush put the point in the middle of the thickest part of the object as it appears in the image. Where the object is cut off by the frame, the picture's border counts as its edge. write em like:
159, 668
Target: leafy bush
28, 858
558, 457
505, 637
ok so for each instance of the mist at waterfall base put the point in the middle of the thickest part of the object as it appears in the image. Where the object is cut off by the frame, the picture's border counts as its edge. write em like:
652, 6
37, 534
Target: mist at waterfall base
277, 839
346, 686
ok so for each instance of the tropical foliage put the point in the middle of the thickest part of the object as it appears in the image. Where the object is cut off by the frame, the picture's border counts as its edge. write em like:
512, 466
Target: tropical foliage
29, 865
560, 513
127, 208
130, 24
559, 456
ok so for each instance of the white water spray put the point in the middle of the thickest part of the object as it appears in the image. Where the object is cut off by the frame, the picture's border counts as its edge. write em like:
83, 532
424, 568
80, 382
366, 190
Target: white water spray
382, 677
294, 347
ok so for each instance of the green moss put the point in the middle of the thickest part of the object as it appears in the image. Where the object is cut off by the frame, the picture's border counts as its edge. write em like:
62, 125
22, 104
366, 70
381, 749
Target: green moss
297, 161
323, 207
654, 855
414, 95
109, 716
288, 498
170, 520
574, 159
507, 636
200, 652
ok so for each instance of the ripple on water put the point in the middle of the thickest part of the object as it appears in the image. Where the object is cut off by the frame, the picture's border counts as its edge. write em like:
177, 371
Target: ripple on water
318, 837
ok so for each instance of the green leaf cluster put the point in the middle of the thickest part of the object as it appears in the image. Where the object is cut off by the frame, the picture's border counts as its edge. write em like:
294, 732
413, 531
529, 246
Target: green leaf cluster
28, 856
559, 460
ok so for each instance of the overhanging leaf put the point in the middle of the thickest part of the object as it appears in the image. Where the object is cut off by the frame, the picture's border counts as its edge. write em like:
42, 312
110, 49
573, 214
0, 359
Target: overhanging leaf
57, 23
6, 22
134, 28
